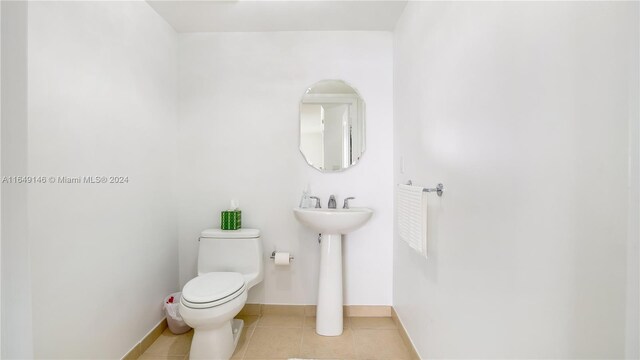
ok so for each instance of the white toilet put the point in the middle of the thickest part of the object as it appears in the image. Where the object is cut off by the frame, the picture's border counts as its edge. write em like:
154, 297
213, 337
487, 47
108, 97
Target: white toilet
229, 264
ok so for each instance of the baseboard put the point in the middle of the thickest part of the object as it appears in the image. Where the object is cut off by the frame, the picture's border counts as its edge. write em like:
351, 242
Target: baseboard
404, 335
367, 311
310, 310
146, 341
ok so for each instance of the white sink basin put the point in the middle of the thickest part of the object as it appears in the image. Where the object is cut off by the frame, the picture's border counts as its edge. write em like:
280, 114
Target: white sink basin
333, 221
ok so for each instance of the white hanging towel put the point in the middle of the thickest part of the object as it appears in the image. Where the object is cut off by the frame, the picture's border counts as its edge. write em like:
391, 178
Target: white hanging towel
412, 217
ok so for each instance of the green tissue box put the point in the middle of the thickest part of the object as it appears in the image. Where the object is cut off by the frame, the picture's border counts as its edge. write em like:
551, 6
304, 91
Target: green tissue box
231, 220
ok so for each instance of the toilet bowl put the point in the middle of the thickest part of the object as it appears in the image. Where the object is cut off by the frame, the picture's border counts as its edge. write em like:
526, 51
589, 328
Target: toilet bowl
229, 264
208, 304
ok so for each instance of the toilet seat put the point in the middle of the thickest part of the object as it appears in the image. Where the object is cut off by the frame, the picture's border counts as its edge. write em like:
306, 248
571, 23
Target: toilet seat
212, 289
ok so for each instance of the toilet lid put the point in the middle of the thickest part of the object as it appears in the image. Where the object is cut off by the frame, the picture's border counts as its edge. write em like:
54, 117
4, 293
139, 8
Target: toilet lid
212, 287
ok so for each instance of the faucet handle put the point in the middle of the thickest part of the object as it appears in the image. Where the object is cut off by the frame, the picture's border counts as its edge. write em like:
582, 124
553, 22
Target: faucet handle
346, 202
317, 199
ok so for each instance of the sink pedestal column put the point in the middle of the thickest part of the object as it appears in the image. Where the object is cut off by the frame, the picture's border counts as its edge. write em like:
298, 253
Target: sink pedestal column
329, 311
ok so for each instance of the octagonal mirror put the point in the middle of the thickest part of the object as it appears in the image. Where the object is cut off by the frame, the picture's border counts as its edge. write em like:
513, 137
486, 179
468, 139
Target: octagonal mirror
332, 126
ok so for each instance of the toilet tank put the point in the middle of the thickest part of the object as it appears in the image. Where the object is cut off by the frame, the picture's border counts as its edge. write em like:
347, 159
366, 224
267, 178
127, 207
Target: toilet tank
232, 250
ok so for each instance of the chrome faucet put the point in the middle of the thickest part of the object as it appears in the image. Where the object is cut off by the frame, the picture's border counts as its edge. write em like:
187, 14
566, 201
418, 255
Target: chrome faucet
317, 199
332, 202
346, 202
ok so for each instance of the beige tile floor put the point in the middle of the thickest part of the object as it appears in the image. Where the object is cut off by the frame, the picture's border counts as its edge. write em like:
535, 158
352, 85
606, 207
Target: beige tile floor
293, 336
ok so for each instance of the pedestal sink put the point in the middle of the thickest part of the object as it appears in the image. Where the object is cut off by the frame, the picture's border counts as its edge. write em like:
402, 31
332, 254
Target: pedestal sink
332, 224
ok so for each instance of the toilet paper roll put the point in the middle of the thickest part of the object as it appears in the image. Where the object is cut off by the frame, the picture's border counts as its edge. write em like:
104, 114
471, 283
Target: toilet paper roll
282, 258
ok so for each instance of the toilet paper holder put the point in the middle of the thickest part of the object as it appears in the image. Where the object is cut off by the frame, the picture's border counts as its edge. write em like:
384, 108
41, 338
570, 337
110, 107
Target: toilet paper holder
273, 256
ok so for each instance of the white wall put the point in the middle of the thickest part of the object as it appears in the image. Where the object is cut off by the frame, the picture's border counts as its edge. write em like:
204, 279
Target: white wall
633, 240
102, 102
522, 111
0, 176
238, 111
17, 339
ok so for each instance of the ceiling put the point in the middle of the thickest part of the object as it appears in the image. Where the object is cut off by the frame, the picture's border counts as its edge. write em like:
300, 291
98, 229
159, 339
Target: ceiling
266, 15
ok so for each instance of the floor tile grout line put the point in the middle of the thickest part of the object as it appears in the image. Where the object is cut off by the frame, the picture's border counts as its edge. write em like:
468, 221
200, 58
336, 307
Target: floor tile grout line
299, 355
353, 340
248, 339
244, 354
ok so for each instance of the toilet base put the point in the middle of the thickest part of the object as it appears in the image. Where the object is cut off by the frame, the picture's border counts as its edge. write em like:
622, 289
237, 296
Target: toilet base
237, 326
216, 343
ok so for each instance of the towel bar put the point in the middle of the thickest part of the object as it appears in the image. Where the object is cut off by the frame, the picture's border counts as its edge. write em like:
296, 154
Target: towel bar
439, 189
